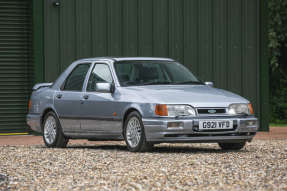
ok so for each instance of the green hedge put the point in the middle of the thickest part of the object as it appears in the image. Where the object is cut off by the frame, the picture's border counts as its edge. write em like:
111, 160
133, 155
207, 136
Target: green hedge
277, 34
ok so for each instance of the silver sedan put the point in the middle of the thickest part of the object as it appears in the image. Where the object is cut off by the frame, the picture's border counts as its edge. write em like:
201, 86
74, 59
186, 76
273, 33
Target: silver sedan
141, 100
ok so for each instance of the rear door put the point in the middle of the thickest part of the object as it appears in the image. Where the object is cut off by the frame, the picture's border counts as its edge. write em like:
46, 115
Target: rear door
67, 101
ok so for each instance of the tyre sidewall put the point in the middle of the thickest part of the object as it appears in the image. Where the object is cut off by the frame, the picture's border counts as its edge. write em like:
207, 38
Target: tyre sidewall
232, 146
142, 138
58, 129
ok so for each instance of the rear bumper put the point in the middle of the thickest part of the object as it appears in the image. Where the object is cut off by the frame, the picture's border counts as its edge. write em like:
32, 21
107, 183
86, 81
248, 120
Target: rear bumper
156, 130
33, 120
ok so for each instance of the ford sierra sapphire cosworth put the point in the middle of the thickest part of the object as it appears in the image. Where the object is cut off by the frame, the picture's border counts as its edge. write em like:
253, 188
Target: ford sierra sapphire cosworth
143, 101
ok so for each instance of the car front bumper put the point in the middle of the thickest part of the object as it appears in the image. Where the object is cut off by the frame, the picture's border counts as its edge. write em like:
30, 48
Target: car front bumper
157, 131
33, 120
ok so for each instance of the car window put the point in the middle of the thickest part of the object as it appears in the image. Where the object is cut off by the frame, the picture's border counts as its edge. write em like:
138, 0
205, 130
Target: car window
132, 73
100, 74
76, 79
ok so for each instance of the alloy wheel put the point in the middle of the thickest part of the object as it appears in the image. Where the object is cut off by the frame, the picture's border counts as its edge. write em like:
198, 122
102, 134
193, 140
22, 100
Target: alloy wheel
133, 132
50, 129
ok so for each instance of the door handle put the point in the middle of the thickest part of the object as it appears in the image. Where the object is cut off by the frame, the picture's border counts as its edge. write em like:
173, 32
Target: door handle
86, 96
59, 96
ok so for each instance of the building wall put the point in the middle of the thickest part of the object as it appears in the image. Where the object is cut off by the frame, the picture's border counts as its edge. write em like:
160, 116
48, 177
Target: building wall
219, 40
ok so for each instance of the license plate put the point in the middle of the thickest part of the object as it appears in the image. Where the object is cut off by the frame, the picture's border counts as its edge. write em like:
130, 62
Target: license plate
215, 124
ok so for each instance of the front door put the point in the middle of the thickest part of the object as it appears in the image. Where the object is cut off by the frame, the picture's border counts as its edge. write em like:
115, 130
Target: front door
100, 109
68, 100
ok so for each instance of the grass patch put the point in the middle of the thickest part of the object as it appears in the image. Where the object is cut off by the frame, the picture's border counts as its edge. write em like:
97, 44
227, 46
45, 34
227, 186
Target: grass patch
278, 124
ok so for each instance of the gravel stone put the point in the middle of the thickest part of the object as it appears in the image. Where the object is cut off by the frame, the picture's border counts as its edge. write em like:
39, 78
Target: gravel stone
3, 182
261, 165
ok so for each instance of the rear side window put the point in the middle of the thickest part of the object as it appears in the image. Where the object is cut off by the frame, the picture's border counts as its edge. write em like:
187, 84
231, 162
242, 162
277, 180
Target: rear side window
76, 79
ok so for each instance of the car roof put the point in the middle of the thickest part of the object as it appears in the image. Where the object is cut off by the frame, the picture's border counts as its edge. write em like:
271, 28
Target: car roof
124, 59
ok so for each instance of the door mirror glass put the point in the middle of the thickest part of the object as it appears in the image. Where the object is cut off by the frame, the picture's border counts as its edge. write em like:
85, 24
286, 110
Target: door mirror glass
104, 87
209, 84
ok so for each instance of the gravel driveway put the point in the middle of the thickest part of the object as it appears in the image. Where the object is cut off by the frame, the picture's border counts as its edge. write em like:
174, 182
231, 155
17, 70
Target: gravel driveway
261, 165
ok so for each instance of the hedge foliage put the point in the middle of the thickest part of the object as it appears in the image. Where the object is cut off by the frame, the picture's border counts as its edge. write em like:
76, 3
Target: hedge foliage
277, 34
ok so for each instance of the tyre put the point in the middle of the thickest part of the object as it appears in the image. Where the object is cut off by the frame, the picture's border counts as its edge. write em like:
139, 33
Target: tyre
232, 146
134, 133
52, 132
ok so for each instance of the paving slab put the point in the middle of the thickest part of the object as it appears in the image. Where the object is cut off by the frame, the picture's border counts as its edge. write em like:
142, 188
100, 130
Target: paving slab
274, 133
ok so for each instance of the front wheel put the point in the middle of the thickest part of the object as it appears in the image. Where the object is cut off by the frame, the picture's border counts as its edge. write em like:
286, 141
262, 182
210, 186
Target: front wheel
52, 132
134, 133
232, 146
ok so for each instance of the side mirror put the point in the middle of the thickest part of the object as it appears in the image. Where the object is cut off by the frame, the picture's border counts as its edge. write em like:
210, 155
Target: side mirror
209, 84
105, 87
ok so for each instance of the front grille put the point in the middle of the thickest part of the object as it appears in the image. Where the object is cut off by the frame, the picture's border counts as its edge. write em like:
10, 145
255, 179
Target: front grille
211, 111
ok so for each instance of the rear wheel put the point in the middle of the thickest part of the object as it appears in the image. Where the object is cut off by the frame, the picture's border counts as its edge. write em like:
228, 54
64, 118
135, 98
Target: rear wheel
52, 132
134, 133
232, 146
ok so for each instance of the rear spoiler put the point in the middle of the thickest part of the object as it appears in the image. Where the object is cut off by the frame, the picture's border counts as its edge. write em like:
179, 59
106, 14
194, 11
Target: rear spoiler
41, 85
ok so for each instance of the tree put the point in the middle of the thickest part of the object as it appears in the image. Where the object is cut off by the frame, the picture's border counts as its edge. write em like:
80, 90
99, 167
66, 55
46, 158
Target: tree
277, 34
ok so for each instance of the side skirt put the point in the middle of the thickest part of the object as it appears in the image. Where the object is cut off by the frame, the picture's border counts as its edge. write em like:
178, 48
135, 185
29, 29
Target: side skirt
95, 136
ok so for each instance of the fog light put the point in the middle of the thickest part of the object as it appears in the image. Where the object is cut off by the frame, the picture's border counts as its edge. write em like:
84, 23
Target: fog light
250, 123
174, 125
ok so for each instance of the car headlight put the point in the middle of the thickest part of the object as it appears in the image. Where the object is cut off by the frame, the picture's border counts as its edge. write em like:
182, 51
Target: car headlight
240, 108
174, 110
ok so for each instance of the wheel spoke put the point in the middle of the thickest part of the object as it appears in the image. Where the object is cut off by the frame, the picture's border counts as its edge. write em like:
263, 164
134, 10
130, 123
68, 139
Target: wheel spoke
50, 130
133, 132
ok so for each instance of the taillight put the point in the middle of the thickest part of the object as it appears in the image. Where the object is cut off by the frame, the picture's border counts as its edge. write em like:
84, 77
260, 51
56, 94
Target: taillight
250, 108
29, 105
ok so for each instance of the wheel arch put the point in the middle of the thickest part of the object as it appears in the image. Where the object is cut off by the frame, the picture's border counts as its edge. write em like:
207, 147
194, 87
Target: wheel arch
44, 113
127, 112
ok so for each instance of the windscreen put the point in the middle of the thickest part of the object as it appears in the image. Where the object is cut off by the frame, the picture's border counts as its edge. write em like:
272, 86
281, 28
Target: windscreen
139, 73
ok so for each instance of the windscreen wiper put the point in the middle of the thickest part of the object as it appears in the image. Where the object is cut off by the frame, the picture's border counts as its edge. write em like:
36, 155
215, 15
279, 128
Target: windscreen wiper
127, 83
189, 82
155, 83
